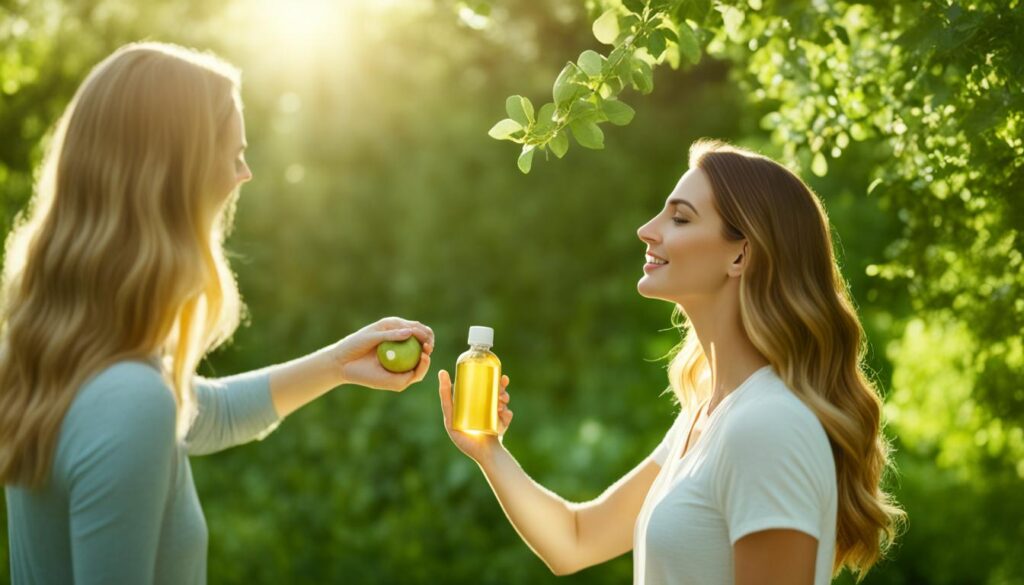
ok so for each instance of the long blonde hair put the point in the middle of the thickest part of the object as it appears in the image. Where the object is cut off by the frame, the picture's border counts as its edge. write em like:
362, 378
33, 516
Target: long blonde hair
797, 311
120, 252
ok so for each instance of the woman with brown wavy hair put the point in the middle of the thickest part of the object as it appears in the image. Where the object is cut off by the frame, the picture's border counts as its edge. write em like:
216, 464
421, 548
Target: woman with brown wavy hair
771, 473
115, 286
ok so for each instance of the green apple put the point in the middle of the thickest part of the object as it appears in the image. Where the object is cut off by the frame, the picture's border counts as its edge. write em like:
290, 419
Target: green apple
400, 356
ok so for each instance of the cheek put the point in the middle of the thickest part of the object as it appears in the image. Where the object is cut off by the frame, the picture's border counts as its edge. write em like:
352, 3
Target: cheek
224, 179
694, 255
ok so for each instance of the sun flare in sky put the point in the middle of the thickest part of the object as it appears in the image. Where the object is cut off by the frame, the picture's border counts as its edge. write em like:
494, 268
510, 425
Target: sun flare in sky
303, 31
299, 25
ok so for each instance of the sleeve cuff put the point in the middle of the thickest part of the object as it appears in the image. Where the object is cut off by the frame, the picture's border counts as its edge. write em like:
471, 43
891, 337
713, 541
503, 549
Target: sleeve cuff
776, 523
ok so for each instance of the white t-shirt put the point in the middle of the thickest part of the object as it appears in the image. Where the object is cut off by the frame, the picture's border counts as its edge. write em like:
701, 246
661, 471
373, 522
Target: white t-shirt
762, 461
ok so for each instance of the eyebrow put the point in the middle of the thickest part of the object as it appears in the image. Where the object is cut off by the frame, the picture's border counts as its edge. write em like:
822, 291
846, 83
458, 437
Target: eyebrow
683, 202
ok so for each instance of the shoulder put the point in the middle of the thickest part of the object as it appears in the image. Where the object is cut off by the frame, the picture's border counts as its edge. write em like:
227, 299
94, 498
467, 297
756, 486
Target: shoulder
775, 466
125, 402
127, 386
771, 412
125, 389
771, 428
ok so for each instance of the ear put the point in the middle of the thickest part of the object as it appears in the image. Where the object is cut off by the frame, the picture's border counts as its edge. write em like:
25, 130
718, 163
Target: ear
739, 262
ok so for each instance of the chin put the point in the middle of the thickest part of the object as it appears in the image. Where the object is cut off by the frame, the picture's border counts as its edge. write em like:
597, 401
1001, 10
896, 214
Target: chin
646, 291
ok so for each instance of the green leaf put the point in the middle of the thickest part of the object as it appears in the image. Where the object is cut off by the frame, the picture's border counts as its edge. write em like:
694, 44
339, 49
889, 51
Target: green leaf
874, 185
859, 132
528, 108
612, 86
643, 77
688, 45
695, 10
669, 34
590, 62
559, 144
618, 113
526, 158
634, 6
842, 35
819, 166
545, 117
516, 107
656, 43
566, 89
624, 68
606, 27
732, 17
672, 56
628, 22
582, 109
504, 129
588, 134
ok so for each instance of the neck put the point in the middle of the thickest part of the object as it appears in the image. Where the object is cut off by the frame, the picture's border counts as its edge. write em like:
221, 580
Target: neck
731, 355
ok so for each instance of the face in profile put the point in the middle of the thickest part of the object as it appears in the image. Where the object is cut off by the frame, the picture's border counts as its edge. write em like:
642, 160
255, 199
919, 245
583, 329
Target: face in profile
230, 168
687, 256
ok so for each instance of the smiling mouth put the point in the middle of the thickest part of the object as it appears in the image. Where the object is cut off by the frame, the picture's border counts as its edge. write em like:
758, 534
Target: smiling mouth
655, 260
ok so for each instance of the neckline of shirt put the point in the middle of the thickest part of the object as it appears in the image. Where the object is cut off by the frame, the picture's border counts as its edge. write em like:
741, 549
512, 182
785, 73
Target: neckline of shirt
730, 397
713, 417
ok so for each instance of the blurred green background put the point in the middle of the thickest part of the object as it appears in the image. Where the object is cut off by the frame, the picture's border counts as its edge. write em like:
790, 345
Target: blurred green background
378, 192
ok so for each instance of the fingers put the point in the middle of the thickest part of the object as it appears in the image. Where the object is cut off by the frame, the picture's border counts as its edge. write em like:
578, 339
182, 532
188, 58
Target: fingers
505, 416
421, 370
426, 336
444, 388
392, 335
503, 396
423, 333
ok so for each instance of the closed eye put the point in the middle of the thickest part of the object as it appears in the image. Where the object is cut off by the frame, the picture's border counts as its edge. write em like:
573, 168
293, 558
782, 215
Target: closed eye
679, 220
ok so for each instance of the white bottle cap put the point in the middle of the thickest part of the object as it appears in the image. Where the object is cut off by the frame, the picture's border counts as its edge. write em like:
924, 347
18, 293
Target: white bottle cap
479, 335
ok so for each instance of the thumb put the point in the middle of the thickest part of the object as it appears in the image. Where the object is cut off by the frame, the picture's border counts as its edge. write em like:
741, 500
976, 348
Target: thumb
444, 388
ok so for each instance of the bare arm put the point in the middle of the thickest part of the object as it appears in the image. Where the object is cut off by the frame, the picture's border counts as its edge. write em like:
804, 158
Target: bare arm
775, 557
568, 537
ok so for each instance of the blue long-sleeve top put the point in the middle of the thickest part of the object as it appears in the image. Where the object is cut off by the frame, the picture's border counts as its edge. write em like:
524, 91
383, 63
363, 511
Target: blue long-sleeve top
120, 506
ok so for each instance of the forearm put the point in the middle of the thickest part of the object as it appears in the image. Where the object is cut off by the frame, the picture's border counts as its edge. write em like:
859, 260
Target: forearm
302, 380
545, 521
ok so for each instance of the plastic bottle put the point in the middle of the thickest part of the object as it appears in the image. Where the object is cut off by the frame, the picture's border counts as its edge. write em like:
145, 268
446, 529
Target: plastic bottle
477, 379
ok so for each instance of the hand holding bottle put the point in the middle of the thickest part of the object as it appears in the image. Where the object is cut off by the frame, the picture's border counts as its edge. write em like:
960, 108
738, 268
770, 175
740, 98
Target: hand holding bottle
475, 445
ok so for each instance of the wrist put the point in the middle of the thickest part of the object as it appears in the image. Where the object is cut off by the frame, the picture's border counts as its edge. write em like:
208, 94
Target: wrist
490, 453
329, 364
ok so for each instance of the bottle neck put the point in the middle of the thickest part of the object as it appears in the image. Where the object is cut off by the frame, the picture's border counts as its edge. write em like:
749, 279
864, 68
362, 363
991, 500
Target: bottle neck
479, 347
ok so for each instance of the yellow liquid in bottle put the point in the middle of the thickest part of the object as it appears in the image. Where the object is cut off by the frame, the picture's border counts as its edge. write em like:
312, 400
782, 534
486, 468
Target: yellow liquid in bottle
477, 376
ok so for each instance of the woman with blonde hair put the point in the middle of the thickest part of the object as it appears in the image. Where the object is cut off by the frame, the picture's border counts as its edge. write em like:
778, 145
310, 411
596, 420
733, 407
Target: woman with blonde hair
771, 473
115, 286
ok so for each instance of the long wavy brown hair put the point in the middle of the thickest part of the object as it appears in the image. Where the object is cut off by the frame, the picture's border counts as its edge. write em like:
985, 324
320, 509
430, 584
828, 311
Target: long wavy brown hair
797, 311
120, 252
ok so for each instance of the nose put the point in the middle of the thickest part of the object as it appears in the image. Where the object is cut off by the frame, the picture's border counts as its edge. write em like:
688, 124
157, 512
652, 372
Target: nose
647, 233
